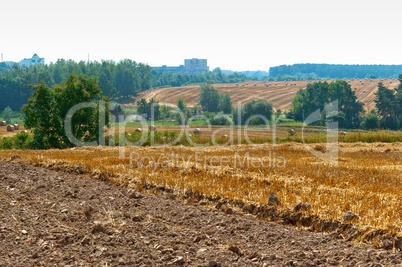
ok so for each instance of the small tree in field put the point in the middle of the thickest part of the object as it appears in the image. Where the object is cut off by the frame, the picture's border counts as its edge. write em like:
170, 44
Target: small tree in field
180, 104
209, 98
226, 103
48, 108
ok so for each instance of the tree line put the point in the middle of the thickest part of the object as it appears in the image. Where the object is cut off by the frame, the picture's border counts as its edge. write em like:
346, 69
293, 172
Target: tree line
349, 111
116, 80
168, 79
333, 71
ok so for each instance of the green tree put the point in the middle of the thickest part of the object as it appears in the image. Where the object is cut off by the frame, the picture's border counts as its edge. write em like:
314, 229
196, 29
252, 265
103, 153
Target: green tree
7, 114
180, 104
144, 107
371, 121
226, 103
48, 108
316, 96
257, 111
126, 79
209, 98
385, 104
348, 106
398, 103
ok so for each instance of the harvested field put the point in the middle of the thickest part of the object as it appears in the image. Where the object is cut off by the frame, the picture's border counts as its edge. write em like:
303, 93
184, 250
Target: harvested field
254, 132
4, 133
365, 181
54, 218
280, 95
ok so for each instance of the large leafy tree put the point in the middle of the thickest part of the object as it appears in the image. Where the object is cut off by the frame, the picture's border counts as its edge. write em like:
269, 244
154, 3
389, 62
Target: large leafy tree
126, 80
257, 112
348, 106
48, 108
226, 103
398, 102
316, 96
209, 98
389, 105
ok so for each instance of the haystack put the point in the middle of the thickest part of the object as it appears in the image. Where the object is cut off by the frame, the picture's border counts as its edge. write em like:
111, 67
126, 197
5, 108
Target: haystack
292, 132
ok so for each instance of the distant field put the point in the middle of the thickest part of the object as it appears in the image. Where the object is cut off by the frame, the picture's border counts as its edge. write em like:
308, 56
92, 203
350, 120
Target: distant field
4, 133
279, 94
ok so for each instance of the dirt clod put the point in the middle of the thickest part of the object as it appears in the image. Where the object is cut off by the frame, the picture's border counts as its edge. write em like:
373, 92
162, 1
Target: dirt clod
273, 199
302, 206
349, 216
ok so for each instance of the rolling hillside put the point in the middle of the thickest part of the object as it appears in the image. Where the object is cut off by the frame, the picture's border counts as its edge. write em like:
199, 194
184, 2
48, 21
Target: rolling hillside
279, 94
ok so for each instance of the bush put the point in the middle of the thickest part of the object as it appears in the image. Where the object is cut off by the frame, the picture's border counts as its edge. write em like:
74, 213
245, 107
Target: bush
21, 140
371, 122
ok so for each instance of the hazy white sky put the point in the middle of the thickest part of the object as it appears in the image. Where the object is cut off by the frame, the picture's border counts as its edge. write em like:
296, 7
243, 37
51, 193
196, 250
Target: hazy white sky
235, 35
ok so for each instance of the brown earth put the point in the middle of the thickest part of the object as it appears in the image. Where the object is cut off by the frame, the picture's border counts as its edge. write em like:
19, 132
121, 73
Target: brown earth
54, 218
280, 94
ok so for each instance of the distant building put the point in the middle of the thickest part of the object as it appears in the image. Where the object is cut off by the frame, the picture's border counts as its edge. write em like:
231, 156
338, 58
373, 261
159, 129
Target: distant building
191, 66
164, 68
195, 65
26, 62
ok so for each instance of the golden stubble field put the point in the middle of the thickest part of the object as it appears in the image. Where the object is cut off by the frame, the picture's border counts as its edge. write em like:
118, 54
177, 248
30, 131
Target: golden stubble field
279, 94
367, 179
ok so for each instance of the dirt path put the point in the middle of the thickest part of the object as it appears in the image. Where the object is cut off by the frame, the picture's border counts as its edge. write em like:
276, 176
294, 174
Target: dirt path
51, 218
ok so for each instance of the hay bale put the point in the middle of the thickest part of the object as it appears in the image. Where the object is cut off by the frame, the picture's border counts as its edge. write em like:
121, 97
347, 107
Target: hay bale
16, 126
197, 131
292, 132
152, 128
3, 123
138, 130
10, 128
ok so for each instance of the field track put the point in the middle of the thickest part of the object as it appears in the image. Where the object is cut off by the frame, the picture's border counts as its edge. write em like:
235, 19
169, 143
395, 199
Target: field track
279, 94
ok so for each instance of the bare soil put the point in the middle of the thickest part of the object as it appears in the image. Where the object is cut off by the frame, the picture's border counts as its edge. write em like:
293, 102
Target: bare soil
51, 218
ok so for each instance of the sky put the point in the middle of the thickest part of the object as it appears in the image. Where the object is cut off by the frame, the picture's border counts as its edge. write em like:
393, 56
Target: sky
232, 35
